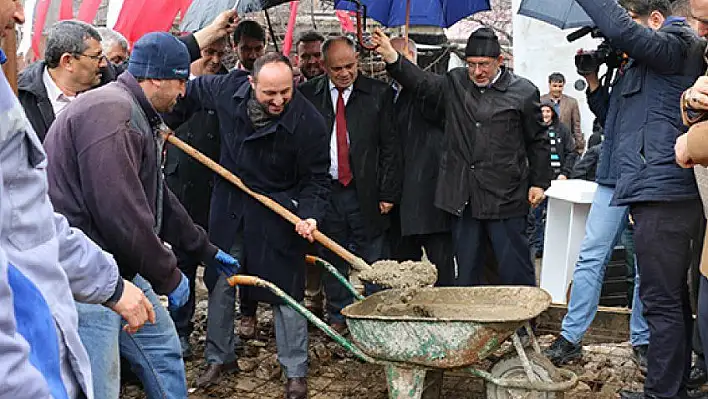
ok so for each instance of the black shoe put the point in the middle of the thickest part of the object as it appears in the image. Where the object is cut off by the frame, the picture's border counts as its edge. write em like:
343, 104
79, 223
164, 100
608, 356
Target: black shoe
186, 346
640, 357
697, 378
563, 351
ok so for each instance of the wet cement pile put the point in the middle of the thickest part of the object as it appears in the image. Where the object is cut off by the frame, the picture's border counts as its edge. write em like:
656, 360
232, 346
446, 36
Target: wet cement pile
409, 274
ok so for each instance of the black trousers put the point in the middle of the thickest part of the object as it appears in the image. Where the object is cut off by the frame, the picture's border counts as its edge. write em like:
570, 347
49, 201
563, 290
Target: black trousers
509, 241
345, 224
662, 237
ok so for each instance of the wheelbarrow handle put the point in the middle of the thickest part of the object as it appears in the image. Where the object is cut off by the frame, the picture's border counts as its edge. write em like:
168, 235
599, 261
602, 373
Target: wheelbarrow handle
356, 262
254, 281
313, 260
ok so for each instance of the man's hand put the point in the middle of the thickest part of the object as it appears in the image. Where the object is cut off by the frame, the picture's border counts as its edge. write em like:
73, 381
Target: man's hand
383, 46
562, 177
681, 150
385, 207
306, 228
536, 195
227, 264
134, 307
223, 25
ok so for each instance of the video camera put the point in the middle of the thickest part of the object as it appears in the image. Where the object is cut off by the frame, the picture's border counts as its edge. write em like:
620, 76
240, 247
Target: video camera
588, 62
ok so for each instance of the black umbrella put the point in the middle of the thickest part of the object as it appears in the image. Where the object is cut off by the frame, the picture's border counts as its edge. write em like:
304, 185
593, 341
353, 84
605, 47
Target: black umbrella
565, 14
202, 12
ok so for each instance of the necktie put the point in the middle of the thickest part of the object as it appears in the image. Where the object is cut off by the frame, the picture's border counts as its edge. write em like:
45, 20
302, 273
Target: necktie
343, 169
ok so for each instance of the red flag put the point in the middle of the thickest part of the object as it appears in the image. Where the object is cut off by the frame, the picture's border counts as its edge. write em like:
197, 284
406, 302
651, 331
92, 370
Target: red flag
40, 20
288, 40
88, 10
345, 21
138, 17
66, 10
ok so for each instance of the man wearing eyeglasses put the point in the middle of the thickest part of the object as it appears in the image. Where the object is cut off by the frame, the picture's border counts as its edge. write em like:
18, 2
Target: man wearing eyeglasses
494, 161
72, 63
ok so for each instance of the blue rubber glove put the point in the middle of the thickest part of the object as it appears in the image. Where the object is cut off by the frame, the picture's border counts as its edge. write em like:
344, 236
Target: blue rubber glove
180, 295
226, 263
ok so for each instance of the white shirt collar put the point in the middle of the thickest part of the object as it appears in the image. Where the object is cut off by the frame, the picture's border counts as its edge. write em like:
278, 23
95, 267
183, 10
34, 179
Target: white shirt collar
333, 87
58, 99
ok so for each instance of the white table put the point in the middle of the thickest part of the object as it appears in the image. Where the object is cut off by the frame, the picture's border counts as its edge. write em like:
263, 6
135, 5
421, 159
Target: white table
568, 207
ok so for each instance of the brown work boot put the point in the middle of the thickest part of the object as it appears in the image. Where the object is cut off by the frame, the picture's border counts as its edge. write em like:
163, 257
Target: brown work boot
296, 388
214, 372
247, 327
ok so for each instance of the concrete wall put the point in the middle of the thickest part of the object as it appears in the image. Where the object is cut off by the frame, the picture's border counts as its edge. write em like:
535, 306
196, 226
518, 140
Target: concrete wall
540, 49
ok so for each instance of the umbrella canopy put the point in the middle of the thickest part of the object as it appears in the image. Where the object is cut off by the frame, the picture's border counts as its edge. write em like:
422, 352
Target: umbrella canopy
202, 12
565, 14
443, 13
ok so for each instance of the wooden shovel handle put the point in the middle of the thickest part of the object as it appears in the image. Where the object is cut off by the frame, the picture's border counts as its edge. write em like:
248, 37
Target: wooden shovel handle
356, 262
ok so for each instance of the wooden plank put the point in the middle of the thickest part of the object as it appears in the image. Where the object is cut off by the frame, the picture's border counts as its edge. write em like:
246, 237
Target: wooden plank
610, 324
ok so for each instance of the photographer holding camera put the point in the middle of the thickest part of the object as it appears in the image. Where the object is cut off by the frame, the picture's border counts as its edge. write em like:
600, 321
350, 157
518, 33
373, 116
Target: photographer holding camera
641, 118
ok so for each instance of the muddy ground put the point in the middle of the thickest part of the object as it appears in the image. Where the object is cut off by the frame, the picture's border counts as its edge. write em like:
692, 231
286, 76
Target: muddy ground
334, 374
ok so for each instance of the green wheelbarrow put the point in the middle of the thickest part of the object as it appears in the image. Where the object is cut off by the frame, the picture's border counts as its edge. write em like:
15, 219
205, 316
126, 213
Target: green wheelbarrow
410, 332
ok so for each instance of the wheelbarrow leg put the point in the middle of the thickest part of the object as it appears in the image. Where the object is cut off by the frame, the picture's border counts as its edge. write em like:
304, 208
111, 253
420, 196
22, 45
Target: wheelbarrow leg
404, 382
532, 337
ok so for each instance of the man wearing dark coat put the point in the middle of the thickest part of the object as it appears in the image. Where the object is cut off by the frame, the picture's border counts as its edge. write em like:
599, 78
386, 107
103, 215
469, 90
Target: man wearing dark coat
365, 157
495, 155
277, 143
417, 224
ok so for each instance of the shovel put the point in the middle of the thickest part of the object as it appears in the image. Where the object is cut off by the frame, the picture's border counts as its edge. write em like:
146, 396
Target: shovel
358, 264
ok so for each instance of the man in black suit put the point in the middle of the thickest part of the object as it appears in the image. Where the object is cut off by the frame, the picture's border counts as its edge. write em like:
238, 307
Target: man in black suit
365, 157
417, 224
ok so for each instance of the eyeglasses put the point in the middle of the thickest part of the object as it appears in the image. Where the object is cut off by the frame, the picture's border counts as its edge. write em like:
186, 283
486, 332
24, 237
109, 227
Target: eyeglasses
99, 57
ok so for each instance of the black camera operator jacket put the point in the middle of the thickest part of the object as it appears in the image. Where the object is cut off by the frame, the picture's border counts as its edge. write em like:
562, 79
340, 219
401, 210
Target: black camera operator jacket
641, 114
495, 146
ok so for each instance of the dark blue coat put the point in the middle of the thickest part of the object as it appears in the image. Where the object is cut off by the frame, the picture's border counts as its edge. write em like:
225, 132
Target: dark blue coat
641, 115
288, 161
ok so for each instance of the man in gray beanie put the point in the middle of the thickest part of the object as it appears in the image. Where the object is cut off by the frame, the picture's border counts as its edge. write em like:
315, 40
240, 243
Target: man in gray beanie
105, 176
494, 163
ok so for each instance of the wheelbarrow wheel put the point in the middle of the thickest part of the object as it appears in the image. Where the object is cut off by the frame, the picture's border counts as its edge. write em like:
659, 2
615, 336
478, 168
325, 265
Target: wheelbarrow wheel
512, 368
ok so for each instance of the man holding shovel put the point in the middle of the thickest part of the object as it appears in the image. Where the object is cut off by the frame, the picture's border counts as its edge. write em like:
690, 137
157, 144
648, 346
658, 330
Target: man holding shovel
106, 154
277, 143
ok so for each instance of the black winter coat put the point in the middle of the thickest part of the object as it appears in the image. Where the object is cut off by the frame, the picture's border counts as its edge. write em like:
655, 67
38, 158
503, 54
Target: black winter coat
421, 142
188, 179
495, 146
287, 160
374, 147
34, 98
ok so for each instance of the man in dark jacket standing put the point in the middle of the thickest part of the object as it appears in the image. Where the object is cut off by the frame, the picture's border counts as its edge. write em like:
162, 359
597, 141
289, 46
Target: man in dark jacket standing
193, 182
276, 142
495, 157
365, 159
642, 120
104, 175
417, 224
563, 158
72, 63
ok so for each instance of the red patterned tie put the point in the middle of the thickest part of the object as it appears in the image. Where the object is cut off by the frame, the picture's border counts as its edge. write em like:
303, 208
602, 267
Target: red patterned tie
344, 170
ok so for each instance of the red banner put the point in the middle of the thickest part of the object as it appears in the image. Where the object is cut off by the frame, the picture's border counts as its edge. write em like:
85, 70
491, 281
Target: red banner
288, 40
